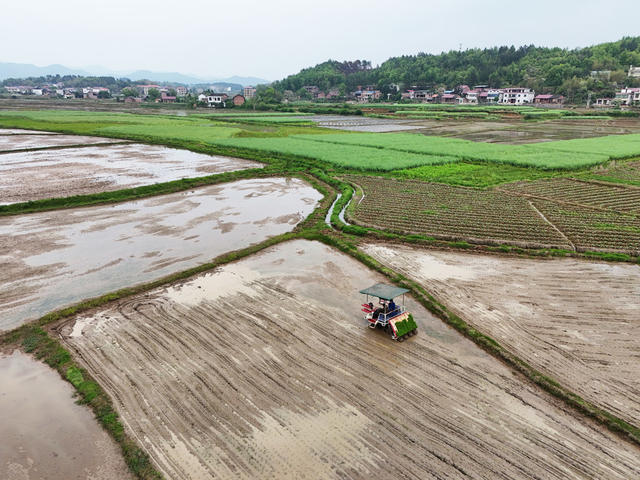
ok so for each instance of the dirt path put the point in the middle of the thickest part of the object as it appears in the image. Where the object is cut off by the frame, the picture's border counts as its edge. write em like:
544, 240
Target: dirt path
577, 321
53, 259
26, 176
44, 434
265, 369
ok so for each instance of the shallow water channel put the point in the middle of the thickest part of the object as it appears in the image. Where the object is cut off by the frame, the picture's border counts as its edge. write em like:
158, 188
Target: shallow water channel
50, 260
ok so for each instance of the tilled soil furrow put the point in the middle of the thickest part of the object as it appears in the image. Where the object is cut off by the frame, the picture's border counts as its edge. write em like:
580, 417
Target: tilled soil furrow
263, 369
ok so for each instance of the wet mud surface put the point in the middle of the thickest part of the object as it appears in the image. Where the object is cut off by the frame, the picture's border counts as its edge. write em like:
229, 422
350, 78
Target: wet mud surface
44, 434
53, 259
21, 142
577, 321
26, 176
520, 132
264, 368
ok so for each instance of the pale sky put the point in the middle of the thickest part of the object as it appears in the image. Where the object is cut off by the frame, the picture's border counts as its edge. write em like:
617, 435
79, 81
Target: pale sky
271, 39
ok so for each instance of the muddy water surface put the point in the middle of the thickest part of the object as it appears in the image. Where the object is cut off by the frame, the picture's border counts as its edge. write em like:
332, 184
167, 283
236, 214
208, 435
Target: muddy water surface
577, 321
58, 258
28, 176
265, 369
20, 142
44, 434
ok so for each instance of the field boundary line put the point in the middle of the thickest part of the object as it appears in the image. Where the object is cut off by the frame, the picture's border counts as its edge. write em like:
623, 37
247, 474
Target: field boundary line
552, 225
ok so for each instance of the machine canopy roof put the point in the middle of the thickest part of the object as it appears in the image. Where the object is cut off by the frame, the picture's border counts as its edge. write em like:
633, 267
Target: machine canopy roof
384, 291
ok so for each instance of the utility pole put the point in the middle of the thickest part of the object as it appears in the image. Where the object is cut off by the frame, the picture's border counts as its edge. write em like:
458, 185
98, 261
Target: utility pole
589, 100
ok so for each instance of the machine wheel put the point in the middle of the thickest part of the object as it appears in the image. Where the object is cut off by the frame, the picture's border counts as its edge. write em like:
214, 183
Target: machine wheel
387, 328
401, 339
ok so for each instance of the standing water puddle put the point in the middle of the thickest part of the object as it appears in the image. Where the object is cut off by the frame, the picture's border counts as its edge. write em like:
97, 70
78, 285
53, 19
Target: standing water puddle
50, 260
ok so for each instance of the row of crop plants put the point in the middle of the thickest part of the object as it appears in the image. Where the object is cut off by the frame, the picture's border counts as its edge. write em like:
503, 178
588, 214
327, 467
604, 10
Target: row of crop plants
591, 229
458, 213
452, 212
618, 198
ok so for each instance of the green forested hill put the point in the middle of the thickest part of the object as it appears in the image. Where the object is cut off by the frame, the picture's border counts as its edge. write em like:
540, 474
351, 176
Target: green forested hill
554, 70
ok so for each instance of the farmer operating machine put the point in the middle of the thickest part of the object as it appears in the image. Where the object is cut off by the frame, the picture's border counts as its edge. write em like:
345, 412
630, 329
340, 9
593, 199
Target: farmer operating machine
386, 314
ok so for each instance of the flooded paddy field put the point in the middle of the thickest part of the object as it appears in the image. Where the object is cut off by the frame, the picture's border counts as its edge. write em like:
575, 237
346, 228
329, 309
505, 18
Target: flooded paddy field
576, 321
53, 259
29, 140
44, 433
26, 176
264, 368
520, 132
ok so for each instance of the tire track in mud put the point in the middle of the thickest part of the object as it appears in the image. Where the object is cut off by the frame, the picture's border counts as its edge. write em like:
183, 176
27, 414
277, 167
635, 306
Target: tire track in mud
263, 369
577, 321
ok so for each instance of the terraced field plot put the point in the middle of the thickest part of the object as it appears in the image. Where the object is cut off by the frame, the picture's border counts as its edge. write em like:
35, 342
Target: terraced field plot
498, 217
619, 172
574, 320
264, 369
595, 230
564, 190
26, 176
54, 259
452, 213
593, 216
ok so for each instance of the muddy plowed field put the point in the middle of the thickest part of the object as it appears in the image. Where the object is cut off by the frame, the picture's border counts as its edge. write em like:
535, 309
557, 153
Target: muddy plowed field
265, 369
577, 321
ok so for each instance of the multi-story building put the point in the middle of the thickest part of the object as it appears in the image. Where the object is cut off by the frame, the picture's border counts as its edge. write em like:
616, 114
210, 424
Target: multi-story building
249, 92
628, 96
144, 89
517, 96
181, 91
634, 71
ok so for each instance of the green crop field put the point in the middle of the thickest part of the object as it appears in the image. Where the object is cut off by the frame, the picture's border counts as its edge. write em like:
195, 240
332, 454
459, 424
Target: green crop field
551, 155
342, 155
285, 134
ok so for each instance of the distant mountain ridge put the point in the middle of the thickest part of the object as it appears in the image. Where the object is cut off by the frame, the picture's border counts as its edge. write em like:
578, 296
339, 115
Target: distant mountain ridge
24, 70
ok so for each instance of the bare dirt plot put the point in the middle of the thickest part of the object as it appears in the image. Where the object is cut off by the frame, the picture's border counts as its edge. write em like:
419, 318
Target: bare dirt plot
44, 433
21, 142
49, 260
264, 369
26, 176
577, 321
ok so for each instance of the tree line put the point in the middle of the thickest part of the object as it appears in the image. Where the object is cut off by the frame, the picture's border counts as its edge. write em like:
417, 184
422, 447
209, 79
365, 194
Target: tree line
547, 70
